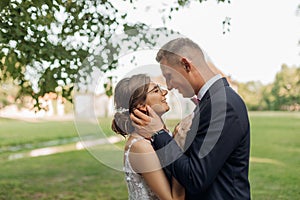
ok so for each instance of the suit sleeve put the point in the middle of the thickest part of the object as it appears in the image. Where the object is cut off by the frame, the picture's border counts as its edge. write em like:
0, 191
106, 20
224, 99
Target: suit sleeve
215, 136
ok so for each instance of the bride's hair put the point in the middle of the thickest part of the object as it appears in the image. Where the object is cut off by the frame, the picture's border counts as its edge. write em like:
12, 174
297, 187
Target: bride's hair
129, 93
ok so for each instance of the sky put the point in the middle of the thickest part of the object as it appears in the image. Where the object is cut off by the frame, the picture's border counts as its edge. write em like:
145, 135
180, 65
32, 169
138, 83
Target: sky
263, 34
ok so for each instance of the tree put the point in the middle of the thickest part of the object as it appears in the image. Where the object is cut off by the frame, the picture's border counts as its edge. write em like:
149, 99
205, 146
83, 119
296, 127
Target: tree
44, 44
285, 91
8, 93
252, 93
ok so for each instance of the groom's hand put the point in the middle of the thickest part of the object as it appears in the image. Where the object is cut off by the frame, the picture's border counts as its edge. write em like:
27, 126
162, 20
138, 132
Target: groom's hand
146, 125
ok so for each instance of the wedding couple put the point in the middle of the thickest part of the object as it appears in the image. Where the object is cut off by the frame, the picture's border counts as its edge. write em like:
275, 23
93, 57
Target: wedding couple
207, 155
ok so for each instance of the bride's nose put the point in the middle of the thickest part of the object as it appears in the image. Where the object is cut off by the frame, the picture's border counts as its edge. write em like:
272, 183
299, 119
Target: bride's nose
164, 92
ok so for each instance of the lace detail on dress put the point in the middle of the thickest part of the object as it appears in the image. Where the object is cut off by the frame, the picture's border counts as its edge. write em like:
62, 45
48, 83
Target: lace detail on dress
137, 187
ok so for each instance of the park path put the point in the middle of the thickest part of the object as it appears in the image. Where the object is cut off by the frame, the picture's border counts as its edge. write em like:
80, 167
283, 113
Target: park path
65, 148
87, 144
49, 150
110, 140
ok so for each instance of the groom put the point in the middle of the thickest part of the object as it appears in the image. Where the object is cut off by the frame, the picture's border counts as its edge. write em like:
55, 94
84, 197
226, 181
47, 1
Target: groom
215, 161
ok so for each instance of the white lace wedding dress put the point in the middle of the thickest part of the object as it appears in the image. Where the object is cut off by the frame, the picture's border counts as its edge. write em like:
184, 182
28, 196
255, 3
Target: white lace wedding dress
137, 187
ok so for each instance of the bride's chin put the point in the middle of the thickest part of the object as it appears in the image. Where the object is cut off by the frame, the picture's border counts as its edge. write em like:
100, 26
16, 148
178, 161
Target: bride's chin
167, 109
163, 112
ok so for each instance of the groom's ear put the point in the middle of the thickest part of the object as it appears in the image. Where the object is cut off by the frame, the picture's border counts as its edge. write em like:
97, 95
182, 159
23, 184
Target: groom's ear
186, 63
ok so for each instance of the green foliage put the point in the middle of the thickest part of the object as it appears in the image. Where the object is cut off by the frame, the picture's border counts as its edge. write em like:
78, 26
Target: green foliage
108, 87
37, 39
8, 93
268, 98
286, 89
51, 43
282, 94
251, 92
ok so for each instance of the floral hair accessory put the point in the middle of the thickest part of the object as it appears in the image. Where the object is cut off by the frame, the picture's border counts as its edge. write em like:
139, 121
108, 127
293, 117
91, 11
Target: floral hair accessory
122, 110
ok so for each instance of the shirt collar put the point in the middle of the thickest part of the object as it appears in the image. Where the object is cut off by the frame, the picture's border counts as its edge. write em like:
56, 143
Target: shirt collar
207, 85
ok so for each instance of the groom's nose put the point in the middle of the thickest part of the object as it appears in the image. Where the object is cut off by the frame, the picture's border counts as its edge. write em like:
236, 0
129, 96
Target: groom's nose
169, 85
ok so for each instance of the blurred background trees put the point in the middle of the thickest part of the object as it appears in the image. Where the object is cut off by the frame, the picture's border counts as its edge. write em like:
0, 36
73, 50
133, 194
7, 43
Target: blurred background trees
44, 44
282, 94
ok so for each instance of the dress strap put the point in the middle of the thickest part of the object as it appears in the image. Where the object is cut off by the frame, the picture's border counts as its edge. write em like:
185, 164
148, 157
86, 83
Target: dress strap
127, 166
134, 140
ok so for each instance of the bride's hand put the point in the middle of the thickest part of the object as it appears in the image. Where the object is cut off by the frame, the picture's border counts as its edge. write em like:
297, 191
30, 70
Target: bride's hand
181, 130
176, 129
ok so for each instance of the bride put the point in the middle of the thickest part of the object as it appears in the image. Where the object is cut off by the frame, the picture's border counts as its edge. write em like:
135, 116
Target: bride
144, 176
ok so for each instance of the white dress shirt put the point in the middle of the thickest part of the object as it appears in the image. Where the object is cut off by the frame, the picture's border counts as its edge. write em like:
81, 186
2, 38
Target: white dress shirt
207, 85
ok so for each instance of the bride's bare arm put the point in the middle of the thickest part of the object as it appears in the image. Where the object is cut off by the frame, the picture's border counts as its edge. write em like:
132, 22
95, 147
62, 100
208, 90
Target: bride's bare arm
144, 160
178, 192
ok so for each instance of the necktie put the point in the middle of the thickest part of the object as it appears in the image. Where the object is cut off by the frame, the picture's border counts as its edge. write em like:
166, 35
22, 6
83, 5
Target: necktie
195, 100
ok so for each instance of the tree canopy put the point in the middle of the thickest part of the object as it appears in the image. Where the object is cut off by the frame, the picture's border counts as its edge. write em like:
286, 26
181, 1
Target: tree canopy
282, 94
44, 44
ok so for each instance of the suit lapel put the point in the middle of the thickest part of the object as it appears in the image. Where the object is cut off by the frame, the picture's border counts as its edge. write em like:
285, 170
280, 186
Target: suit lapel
205, 101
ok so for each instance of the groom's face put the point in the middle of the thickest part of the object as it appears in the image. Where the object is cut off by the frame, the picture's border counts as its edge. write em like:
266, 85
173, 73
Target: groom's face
177, 78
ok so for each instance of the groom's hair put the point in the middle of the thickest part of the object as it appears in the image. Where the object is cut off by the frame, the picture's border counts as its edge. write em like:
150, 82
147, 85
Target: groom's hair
177, 48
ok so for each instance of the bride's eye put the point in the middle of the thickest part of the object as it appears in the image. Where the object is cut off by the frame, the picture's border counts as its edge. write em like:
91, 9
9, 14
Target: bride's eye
156, 89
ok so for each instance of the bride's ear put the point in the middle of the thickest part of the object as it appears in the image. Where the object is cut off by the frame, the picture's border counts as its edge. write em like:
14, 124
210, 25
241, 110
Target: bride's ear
143, 108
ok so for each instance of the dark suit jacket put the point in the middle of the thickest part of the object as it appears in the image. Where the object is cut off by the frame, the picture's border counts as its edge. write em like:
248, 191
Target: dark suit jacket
215, 163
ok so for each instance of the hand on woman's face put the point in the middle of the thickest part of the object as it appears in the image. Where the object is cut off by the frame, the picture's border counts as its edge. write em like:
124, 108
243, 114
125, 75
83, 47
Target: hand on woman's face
156, 99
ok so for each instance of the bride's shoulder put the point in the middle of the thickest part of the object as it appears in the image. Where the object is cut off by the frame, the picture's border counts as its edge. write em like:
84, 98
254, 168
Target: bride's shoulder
141, 146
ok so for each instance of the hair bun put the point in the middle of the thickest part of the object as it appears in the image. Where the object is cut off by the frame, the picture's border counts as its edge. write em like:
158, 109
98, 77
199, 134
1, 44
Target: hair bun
122, 123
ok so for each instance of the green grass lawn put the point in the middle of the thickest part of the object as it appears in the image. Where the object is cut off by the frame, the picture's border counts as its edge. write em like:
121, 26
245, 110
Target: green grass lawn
18, 132
275, 136
274, 168
71, 175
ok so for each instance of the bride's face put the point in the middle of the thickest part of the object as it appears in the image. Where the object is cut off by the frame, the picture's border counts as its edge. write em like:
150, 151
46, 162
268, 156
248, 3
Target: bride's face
156, 99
